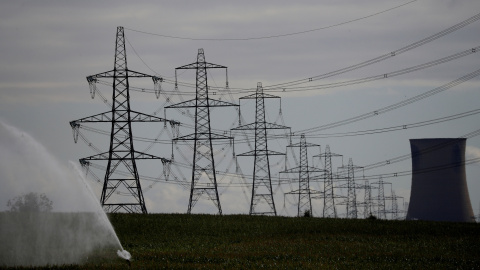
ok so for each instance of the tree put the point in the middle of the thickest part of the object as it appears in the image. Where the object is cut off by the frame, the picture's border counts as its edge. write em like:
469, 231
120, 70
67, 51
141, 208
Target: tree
30, 202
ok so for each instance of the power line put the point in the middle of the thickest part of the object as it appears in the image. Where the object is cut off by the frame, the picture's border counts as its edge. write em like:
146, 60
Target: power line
276, 87
408, 156
383, 75
399, 127
273, 36
341, 83
316, 136
394, 106
382, 57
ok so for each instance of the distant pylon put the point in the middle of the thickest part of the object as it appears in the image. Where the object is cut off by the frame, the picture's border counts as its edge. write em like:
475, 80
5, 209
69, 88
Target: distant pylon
394, 206
204, 179
121, 176
381, 212
304, 192
329, 209
367, 200
262, 191
352, 211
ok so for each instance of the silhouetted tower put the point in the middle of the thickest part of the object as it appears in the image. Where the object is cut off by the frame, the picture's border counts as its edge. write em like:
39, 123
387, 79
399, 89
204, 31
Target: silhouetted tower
304, 192
352, 211
121, 176
381, 212
262, 183
394, 210
367, 200
204, 179
394, 206
329, 209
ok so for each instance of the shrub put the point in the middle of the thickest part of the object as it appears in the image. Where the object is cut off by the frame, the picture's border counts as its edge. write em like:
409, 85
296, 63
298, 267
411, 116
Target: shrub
30, 202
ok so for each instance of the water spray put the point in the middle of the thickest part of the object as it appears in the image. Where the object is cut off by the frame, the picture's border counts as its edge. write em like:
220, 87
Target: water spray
124, 255
28, 166
121, 253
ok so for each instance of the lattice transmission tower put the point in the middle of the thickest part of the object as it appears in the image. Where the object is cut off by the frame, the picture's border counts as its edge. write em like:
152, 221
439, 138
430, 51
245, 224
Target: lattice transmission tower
329, 196
122, 191
204, 179
351, 202
262, 192
304, 192
367, 203
381, 211
394, 210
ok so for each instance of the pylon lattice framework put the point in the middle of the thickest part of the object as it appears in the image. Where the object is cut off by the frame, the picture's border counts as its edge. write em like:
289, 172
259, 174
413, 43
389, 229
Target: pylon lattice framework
329, 209
204, 180
367, 204
381, 212
351, 201
394, 205
262, 183
304, 192
121, 172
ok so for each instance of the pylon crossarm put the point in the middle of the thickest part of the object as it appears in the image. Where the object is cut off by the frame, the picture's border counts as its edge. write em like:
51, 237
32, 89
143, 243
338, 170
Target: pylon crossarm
302, 191
219, 103
134, 117
101, 117
116, 156
142, 117
328, 155
261, 153
140, 155
303, 145
185, 104
275, 126
259, 95
195, 66
102, 156
245, 127
299, 169
125, 73
251, 126
208, 136
106, 74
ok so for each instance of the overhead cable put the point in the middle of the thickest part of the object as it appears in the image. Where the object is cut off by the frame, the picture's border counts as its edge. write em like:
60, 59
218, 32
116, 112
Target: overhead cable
394, 106
382, 57
271, 36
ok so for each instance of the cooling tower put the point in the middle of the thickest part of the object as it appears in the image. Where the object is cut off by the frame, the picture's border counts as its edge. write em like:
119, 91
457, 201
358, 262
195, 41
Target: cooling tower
439, 184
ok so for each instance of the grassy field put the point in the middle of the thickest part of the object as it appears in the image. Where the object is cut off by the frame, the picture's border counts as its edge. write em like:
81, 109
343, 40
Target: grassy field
246, 242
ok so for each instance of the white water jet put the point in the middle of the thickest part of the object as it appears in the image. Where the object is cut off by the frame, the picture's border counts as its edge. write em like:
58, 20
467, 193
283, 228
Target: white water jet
124, 254
76, 229
100, 213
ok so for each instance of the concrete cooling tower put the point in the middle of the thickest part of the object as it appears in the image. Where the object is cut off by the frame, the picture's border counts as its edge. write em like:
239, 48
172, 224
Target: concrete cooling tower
439, 185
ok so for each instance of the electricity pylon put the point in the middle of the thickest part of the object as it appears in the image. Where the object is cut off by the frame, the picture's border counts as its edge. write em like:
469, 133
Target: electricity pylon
367, 204
381, 212
394, 206
329, 209
304, 192
262, 183
204, 179
121, 176
351, 202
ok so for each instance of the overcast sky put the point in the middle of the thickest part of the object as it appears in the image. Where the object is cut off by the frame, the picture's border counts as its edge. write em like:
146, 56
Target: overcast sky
47, 49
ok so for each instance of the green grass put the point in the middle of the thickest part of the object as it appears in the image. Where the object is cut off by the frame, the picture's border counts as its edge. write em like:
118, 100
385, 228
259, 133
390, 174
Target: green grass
245, 242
